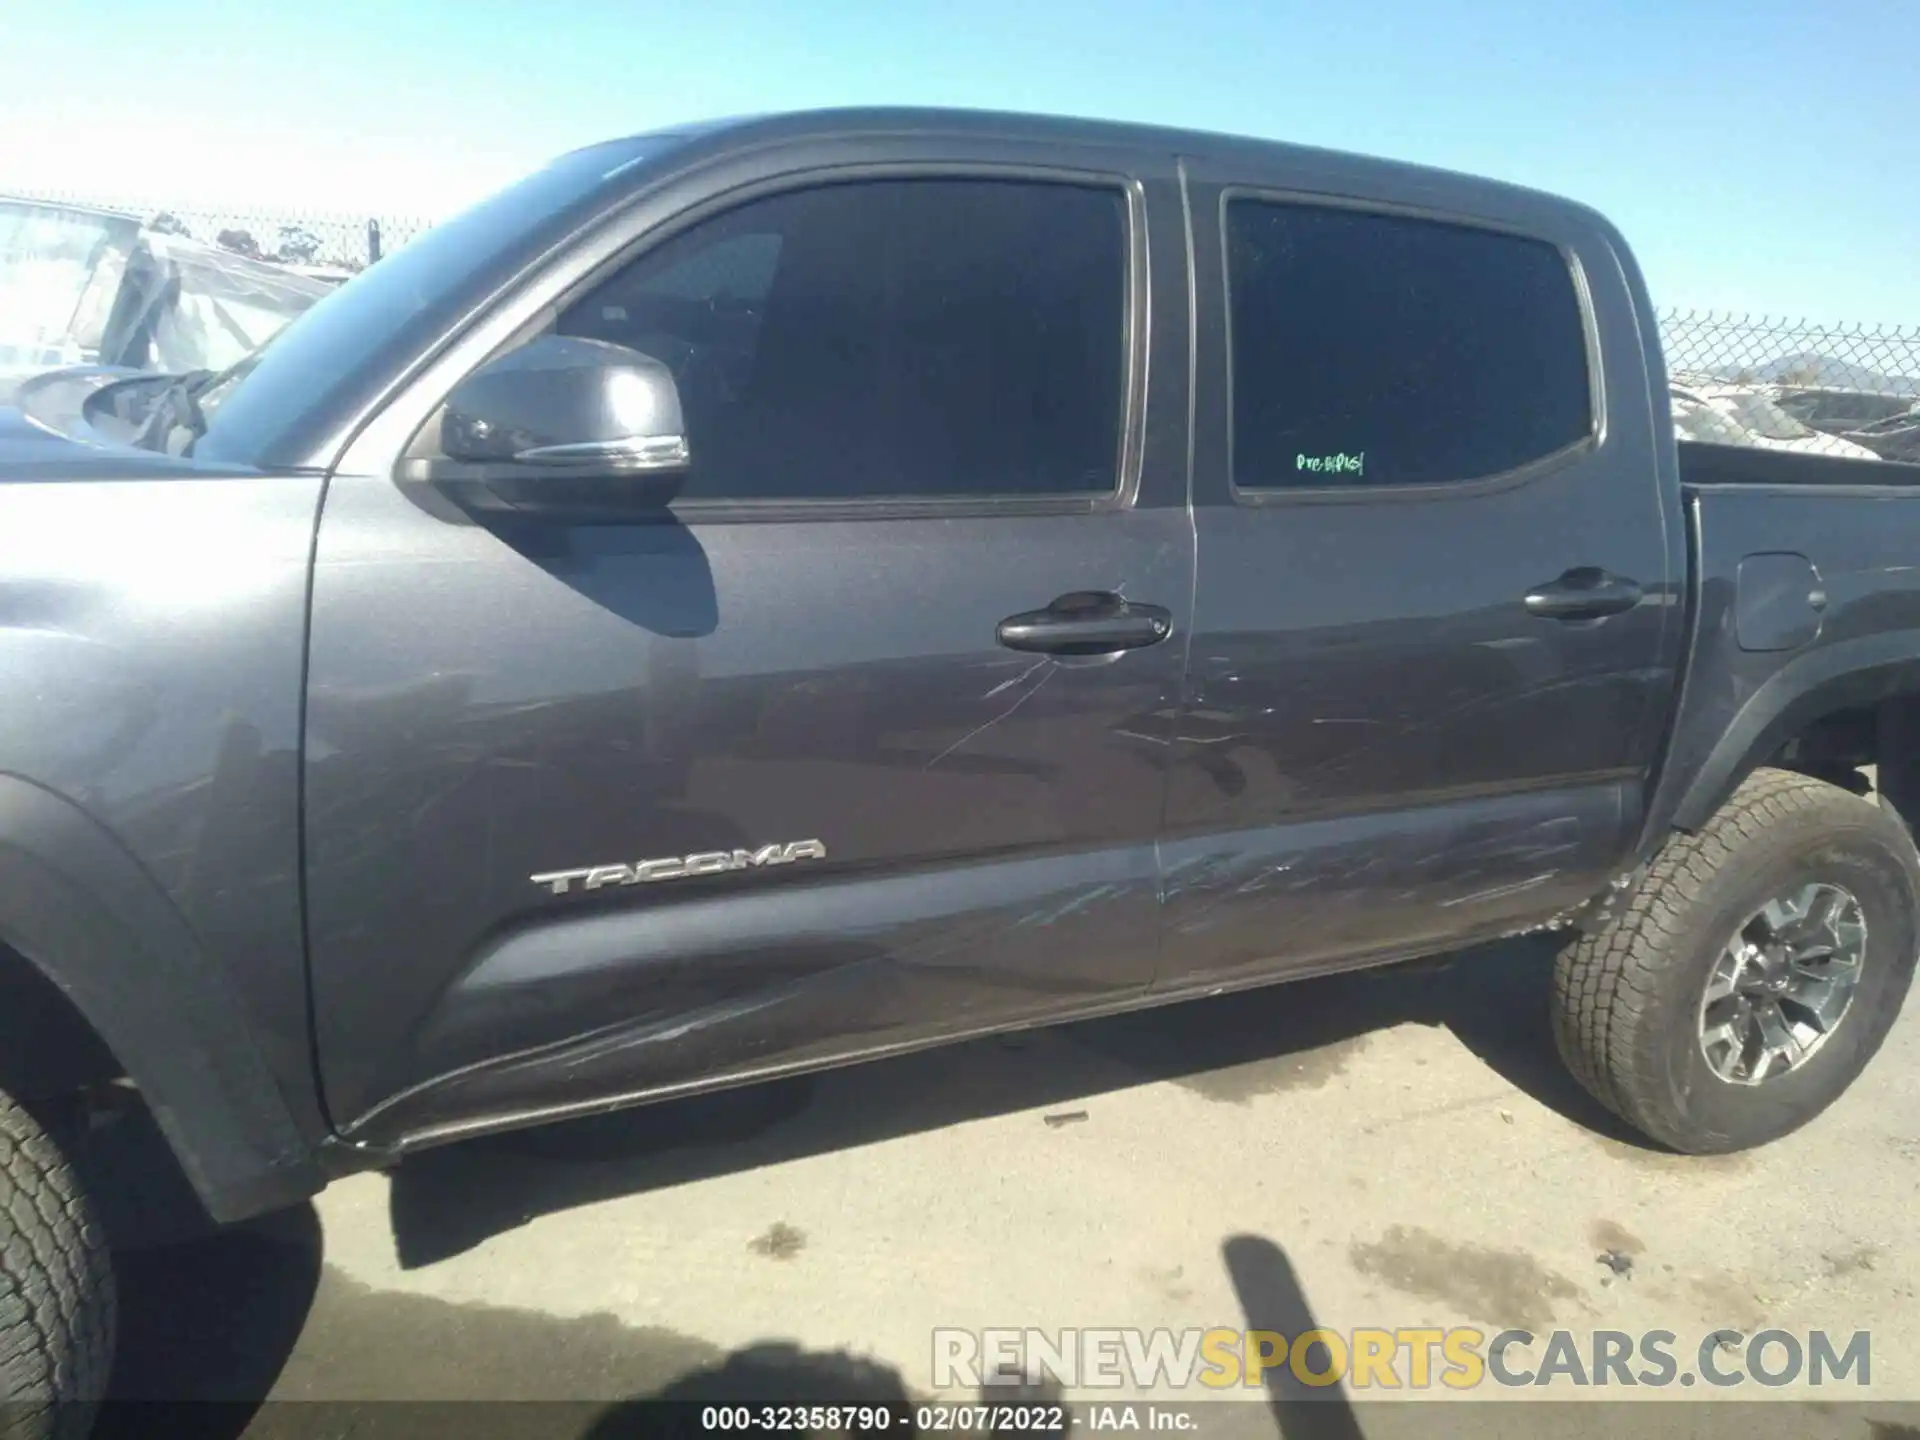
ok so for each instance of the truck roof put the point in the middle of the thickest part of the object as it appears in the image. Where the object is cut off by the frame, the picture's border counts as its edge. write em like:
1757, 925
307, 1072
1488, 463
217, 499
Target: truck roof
1335, 166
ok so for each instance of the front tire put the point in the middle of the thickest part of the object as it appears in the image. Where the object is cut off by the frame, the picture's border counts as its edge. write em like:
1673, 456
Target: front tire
56, 1289
1753, 972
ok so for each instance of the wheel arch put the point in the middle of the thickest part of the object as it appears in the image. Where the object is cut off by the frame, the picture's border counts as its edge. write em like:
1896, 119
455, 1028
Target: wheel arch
1869, 675
93, 928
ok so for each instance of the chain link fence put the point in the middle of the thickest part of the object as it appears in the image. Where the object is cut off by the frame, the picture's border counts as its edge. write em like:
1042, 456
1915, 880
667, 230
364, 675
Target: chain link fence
1849, 391
340, 242
1701, 346
1761, 350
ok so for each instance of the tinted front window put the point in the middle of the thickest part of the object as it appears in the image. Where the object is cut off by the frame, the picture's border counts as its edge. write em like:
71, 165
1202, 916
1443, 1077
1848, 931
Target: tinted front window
1379, 350
903, 338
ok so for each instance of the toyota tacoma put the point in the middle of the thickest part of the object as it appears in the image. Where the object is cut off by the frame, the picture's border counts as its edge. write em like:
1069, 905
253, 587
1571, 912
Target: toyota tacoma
782, 592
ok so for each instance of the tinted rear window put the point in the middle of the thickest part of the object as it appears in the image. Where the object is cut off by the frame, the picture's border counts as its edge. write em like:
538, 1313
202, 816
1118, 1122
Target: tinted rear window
1380, 350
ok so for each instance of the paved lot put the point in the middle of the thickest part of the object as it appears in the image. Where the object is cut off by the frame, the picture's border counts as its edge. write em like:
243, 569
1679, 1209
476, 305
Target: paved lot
1393, 1149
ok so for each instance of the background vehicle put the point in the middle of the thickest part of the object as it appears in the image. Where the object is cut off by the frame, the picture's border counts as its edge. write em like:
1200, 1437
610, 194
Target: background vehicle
777, 593
1839, 412
1884, 422
82, 286
1895, 438
1734, 415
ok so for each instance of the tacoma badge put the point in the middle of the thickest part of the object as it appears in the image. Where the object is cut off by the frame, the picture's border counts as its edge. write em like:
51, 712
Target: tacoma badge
678, 867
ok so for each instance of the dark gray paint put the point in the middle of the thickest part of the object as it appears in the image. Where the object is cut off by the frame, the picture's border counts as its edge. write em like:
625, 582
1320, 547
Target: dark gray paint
741, 676
1778, 602
151, 635
1356, 744
1738, 704
1364, 679
484, 710
76, 904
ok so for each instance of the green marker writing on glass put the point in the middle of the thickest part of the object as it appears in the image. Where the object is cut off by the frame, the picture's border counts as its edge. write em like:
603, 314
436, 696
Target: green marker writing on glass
1332, 464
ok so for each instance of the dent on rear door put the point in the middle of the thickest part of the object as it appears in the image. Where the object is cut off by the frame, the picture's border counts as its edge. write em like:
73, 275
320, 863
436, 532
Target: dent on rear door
1384, 750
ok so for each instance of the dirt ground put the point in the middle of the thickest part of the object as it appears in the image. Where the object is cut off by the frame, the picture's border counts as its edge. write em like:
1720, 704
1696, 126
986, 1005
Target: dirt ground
1393, 1149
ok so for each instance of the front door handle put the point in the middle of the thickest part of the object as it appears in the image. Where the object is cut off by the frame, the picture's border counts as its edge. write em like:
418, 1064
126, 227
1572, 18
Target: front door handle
1585, 593
1087, 622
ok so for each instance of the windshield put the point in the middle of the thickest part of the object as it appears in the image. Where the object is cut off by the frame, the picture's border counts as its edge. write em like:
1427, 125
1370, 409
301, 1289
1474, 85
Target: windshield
187, 306
81, 286
58, 268
1763, 417
270, 407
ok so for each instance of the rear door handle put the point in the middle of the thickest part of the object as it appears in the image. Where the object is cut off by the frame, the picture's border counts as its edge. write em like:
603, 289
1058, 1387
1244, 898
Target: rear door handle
1087, 622
1585, 593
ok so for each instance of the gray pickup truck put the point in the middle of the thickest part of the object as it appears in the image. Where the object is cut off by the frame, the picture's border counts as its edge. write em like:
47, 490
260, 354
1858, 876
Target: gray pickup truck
777, 593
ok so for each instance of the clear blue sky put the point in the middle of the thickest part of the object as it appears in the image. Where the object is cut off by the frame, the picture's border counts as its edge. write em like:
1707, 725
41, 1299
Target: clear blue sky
1758, 153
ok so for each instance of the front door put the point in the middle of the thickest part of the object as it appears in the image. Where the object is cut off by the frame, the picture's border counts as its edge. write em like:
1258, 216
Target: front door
815, 764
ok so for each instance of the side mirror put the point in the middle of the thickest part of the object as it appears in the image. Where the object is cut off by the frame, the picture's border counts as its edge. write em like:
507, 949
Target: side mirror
579, 428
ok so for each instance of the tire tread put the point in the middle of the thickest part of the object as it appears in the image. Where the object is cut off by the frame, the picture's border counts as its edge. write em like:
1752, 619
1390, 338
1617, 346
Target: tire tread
56, 1287
1604, 1002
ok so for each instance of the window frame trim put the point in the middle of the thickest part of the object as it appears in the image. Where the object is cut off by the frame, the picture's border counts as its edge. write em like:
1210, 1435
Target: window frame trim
1468, 486
1135, 336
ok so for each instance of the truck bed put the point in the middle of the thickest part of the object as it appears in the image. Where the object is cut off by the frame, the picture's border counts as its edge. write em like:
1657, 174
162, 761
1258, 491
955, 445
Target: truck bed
1804, 601
1703, 464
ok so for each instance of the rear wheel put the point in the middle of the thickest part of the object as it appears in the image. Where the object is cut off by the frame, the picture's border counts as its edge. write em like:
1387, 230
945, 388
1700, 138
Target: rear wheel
1752, 974
56, 1289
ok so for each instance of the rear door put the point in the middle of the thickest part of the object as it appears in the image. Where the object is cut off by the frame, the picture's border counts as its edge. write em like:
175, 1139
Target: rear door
907, 631
1433, 630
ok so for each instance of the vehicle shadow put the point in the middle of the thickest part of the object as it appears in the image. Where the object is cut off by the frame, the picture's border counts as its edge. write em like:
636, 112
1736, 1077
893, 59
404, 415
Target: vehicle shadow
1493, 999
768, 1374
247, 1335
655, 575
1264, 1282
206, 1326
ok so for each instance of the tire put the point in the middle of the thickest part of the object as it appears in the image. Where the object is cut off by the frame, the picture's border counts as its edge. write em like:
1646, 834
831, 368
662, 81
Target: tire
56, 1289
1628, 997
